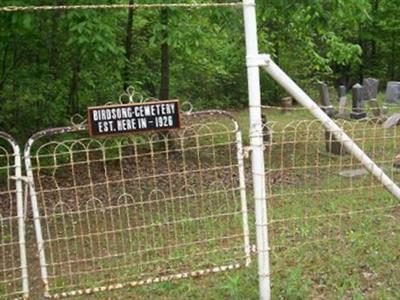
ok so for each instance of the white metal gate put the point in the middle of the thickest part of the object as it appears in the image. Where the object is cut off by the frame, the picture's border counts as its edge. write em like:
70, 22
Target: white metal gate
13, 267
136, 210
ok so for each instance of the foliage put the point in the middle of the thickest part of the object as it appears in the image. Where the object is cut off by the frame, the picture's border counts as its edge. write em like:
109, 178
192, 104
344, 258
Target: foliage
55, 64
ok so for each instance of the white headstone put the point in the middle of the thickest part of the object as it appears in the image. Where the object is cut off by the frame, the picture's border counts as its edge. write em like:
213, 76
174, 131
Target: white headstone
353, 173
393, 92
392, 121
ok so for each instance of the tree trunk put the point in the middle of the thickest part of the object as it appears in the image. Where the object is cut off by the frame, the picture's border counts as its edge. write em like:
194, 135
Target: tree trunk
363, 55
53, 43
392, 65
164, 84
373, 59
74, 85
3, 75
128, 47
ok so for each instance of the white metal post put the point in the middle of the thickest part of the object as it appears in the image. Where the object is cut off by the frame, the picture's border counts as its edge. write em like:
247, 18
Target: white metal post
21, 221
36, 217
256, 143
292, 88
243, 194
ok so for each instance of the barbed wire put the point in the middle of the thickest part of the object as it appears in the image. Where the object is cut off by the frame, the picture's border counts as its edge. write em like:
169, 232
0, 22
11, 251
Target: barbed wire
5, 9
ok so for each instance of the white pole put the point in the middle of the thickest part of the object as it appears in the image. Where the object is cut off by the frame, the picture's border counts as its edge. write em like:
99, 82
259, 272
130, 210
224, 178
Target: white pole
21, 221
256, 143
36, 217
243, 195
292, 88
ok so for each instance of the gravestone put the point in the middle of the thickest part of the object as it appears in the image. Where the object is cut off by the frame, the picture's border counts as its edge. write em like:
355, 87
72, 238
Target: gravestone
357, 98
392, 121
353, 173
375, 108
342, 100
286, 103
332, 145
392, 94
326, 105
396, 163
370, 88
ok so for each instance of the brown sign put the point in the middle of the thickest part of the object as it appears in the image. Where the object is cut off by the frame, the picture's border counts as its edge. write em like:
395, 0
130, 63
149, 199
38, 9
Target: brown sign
135, 117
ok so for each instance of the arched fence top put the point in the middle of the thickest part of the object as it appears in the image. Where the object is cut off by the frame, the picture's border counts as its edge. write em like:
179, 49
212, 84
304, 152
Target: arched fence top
82, 127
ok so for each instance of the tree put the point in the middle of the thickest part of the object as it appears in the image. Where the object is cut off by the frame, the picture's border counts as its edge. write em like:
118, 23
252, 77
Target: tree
128, 47
164, 82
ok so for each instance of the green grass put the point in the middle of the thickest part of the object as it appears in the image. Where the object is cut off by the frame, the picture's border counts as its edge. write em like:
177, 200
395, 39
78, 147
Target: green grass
331, 237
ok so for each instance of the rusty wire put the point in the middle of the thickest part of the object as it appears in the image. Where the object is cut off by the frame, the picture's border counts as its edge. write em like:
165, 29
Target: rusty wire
318, 193
6, 9
138, 210
12, 231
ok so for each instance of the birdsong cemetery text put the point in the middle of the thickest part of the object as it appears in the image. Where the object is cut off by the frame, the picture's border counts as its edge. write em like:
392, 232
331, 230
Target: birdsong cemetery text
135, 117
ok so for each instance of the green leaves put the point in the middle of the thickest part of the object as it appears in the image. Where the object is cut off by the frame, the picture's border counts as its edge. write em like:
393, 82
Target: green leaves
51, 60
92, 35
341, 52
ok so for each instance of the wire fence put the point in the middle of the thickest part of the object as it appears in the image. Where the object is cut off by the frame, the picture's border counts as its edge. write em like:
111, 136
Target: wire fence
327, 214
13, 268
137, 210
386, 108
130, 211
195, 5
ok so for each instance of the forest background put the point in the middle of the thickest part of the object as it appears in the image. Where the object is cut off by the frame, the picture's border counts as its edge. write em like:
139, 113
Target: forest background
55, 64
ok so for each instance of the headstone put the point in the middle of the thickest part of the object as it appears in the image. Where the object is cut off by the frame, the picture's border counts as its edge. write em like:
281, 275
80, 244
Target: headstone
396, 163
353, 173
392, 121
286, 103
332, 145
375, 108
392, 94
370, 88
342, 100
326, 105
341, 91
357, 98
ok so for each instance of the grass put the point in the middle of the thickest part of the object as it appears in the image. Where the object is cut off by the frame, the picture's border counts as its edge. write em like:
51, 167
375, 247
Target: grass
339, 243
331, 237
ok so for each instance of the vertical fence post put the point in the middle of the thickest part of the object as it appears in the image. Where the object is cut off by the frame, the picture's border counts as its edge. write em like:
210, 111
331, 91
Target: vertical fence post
256, 143
21, 221
243, 194
36, 217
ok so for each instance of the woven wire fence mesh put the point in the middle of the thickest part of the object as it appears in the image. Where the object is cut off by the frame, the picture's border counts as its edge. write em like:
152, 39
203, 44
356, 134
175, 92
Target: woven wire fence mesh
129, 211
329, 218
10, 255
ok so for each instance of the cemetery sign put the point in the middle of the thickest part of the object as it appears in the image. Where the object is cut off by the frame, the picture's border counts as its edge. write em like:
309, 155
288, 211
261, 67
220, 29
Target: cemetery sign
134, 117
